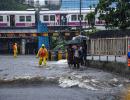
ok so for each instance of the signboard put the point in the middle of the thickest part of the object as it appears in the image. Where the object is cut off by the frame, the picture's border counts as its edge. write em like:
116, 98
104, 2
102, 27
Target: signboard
22, 35
55, 34
67, 34
10, 35
45, 34
34, 34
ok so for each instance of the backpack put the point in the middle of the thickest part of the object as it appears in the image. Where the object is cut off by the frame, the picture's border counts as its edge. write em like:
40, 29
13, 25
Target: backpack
42, 53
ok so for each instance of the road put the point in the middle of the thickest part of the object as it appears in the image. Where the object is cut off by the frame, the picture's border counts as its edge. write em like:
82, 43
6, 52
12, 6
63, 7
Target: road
24, 80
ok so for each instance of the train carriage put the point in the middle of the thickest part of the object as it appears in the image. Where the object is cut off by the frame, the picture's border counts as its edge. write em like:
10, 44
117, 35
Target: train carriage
51, 18
63, 18
17, 18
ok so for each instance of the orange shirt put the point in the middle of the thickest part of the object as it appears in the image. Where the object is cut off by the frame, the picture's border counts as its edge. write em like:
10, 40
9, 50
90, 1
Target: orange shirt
42, 50
15, 47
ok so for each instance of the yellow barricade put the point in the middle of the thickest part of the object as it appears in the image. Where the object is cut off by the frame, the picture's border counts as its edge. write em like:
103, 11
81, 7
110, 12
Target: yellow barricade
59, 55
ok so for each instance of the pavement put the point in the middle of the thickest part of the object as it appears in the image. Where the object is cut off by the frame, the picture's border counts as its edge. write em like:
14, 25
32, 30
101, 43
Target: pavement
25, 80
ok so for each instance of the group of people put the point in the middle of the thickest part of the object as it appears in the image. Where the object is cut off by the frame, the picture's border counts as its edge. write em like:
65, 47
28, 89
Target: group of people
76, 55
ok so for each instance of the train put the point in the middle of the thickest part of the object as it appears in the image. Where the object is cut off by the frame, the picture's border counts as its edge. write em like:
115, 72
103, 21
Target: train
28, 18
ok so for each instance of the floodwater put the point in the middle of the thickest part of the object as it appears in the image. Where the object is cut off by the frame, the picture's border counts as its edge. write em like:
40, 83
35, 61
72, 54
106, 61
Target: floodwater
22, 79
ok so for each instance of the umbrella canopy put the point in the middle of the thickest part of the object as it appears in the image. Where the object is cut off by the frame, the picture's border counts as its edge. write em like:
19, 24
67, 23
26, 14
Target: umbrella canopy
76, 41
80, 37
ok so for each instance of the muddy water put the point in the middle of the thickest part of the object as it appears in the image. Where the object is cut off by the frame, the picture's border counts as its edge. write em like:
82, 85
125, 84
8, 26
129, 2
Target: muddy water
24, 80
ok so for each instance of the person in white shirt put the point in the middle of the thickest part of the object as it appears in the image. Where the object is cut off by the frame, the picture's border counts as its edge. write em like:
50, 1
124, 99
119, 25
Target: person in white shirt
77, 54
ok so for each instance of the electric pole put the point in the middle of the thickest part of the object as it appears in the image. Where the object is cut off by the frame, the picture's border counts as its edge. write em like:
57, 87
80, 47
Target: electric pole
80, 16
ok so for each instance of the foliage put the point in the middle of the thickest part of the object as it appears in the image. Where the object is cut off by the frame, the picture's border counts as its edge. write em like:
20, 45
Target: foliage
54, 42
90, 17
115, 13
60, 45
12, 5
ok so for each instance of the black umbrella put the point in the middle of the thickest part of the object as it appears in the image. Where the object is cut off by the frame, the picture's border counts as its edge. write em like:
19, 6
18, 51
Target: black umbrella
77, 41
80, 37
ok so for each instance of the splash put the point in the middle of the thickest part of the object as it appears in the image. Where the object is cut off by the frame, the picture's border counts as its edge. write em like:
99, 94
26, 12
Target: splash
62, 62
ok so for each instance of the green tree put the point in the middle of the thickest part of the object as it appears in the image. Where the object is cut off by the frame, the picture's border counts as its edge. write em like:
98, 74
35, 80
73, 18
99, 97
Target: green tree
90, 18
12, 5
114, 16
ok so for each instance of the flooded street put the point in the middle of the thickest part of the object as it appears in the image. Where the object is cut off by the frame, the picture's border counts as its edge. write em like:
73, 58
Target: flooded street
22, 79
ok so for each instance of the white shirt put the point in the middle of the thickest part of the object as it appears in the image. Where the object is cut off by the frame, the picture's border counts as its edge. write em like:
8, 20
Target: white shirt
76, 54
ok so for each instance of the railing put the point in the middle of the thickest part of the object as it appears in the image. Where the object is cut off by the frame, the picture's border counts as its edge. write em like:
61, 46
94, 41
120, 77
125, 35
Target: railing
107, 58
109, 46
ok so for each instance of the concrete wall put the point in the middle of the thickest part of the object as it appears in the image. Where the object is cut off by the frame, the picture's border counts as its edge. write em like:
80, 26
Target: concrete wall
109, 46
115, 67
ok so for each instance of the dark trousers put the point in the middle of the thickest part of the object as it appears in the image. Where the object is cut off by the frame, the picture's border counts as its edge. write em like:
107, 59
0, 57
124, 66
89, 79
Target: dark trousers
84, 59
77, 62
70, 61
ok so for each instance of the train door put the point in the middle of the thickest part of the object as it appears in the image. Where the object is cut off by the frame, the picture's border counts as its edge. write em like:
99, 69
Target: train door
12, 20
63, 19
8, 20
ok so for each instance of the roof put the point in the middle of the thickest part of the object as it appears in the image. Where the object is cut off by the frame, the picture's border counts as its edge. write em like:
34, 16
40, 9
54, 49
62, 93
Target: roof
110, 34
46, 12
17, 12
66, 11
19, 30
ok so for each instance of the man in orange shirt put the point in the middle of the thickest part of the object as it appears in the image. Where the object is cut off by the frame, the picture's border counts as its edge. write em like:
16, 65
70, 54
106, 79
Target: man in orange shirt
43, 54
15, 49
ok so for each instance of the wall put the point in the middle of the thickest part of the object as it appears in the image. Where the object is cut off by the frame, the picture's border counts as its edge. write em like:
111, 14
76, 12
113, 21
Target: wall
109, 46
115, 67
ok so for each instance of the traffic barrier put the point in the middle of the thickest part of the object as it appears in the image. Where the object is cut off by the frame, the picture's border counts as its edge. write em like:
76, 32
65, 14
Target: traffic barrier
128, 59
59, 55
66, 54
54, 56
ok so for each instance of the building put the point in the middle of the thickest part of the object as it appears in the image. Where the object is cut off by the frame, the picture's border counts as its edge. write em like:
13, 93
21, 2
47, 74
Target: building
75, 4
53, 4
70, 4
34, 3
29, 2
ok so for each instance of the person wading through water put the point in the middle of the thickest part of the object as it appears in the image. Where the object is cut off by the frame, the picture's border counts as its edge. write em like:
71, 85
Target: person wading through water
43, 55
15, 50
70, 57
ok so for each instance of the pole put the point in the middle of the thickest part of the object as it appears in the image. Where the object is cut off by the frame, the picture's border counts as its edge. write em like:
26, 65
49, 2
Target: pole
80, 16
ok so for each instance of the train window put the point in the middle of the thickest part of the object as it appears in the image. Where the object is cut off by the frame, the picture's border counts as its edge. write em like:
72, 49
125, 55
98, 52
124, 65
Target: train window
79, 17
22, 18
73, 17
46, 18
28, 18
52, 17
1, 18
7, 18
